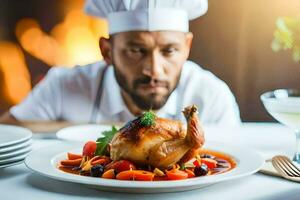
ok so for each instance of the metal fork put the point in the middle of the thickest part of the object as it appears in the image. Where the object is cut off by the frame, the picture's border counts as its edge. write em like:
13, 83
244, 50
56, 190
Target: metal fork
286, 168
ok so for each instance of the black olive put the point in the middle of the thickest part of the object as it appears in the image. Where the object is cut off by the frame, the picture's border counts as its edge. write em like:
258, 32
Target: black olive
97, 170
219, 160
201, 170
207, 156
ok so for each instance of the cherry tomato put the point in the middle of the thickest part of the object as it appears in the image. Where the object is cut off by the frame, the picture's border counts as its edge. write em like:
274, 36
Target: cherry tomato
197, 163
89, 148
121, 165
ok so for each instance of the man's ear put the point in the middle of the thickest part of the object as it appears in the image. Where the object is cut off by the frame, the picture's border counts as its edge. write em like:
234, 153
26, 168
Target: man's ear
189, 40
106, 48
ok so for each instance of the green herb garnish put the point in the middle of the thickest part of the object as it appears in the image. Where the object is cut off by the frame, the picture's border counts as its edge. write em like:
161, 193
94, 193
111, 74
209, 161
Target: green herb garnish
148, 118
104, 141
182, 166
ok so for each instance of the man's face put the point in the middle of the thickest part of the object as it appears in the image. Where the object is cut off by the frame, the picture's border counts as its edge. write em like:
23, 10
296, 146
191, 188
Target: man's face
148, 65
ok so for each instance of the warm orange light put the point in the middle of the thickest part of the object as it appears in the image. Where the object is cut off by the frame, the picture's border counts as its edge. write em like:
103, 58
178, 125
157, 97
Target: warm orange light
81, 46
14, 73
24, 24
76, 18
71, 42
99, 27
30, 39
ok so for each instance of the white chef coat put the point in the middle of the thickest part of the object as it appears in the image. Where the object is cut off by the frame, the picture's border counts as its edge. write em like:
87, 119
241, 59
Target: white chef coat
70, 93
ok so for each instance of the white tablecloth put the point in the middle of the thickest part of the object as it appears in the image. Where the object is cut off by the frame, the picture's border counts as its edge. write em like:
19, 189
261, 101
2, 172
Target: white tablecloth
18, 182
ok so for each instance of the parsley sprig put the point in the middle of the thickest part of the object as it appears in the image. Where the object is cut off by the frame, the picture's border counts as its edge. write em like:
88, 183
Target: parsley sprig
105, 140
148, 118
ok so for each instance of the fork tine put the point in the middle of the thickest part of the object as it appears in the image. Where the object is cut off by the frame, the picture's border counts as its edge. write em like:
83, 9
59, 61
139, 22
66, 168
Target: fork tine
281, 168
287, 166
291, 164
284, 163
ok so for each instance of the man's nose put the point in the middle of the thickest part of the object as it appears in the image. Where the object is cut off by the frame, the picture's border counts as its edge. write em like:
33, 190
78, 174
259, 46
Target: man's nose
154, 66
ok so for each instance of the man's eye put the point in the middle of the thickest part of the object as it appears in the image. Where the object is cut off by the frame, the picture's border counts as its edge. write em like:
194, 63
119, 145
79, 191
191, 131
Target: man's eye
136, 50
169, 51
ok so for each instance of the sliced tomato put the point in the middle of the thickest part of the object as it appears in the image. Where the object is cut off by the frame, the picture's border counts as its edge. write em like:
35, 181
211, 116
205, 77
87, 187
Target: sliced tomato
176, 174
211, 163
190, 173
73, 156
71, 163
89, 148
109, 174
139, 175
121, 165
197, 163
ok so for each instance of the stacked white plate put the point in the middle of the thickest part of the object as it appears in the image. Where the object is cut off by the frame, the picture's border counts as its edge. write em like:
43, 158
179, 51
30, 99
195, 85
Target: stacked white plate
15, 144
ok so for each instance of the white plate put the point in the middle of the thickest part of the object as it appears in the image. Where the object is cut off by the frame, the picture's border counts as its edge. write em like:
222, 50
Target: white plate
82, 133
13, 159
15, 146
10, 135
45, 161
11, 164
15, 153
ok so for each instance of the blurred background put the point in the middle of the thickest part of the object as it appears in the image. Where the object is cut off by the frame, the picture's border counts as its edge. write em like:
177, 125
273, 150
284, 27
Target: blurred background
254, 46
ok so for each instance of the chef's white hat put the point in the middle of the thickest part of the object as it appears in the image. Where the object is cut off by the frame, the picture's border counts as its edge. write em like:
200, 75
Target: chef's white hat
148, 15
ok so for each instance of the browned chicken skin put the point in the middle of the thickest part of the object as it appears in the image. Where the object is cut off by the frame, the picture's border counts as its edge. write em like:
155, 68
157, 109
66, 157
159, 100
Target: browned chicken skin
160, 145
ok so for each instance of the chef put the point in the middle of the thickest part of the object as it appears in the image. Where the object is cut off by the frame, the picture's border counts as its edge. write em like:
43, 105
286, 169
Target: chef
145, 67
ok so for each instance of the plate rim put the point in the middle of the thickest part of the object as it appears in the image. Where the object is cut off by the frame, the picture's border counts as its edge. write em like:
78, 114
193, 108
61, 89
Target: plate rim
60, 132
133, 185
19, 151
14, 159
28, 135
16, 146
11, 164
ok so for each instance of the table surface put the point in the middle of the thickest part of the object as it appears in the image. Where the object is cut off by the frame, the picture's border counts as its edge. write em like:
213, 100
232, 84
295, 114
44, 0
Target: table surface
18, 182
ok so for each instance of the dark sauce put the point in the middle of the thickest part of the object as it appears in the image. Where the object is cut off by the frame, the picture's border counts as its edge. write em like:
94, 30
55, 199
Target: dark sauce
224, 162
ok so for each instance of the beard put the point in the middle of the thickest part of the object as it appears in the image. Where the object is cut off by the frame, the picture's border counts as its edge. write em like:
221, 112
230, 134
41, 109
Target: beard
152, 101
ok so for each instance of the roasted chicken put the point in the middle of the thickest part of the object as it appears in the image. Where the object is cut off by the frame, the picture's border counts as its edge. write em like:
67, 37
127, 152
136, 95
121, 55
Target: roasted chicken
161, 144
